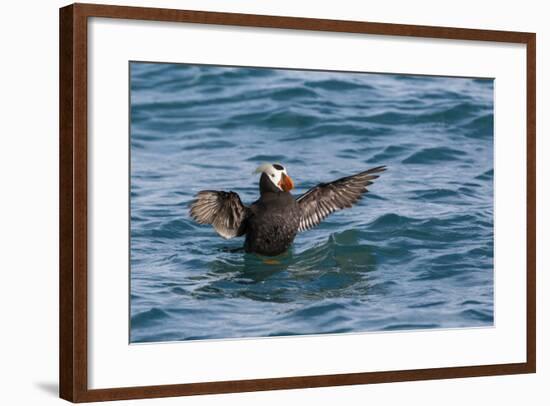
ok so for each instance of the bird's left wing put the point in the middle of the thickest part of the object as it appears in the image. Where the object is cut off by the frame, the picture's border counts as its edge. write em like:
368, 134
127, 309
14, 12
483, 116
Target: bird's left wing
224, 210
317, 203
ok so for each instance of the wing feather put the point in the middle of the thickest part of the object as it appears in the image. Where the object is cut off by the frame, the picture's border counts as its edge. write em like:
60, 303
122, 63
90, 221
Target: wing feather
326, 198
223, 210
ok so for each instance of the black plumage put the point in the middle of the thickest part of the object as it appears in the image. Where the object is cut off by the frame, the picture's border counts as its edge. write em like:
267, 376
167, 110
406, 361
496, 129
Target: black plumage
271, 223
317, 203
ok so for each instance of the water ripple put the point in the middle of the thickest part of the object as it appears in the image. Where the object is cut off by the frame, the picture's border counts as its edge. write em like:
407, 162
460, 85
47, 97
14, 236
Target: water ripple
416, 253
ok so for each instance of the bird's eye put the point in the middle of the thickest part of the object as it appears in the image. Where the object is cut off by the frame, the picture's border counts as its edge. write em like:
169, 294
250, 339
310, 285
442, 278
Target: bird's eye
272, 175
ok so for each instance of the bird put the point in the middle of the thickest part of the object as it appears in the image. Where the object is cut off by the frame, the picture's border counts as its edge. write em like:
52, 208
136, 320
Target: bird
271, 223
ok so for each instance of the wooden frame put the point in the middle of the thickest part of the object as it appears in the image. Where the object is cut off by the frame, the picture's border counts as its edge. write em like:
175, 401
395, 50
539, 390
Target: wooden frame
73, 202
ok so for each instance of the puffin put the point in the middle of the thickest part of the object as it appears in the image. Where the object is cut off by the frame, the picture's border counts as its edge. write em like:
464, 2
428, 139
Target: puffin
271, 223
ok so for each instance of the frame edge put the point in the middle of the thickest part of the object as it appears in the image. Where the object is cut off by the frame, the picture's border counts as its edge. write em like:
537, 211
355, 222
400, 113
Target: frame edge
73, 342
66, 282
531, 174
299, 23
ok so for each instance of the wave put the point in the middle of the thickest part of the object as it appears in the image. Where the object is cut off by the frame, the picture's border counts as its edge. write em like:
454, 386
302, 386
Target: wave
337, 85
410, 326
433, 155
214, 144
149, 318
480, 127
449, 116
390, 221
289, 93
487, 175
484, 316
432, 195
172, 229
289, 119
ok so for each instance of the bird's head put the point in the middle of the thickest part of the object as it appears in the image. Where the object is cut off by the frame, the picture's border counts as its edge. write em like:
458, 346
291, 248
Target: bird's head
274, 178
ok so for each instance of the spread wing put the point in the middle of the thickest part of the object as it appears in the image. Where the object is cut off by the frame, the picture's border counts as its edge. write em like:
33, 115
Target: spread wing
317, 203
224, 210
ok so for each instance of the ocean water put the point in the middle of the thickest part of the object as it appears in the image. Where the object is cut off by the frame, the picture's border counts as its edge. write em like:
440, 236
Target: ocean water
415, 253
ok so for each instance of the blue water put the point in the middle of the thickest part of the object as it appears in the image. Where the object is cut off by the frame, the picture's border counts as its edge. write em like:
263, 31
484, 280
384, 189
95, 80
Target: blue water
415, 253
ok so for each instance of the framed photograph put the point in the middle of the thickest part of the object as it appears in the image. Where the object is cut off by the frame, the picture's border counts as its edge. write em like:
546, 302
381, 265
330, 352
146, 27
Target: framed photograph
255, 202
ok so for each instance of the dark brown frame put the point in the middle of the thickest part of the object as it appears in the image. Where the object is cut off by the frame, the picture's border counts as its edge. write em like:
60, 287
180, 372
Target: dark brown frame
73, 333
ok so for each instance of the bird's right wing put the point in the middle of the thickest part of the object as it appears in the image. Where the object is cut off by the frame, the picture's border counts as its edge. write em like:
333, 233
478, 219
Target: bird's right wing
224, 210
318, 202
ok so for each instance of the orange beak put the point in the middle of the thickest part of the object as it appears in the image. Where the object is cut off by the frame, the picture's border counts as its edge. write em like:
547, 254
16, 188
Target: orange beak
286, 183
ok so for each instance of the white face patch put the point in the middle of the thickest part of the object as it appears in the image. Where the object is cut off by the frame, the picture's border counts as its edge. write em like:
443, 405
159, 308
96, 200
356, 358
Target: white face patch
273, 172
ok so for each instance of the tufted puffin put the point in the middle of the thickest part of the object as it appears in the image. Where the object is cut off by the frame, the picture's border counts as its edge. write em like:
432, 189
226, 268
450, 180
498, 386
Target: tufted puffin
271, 223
